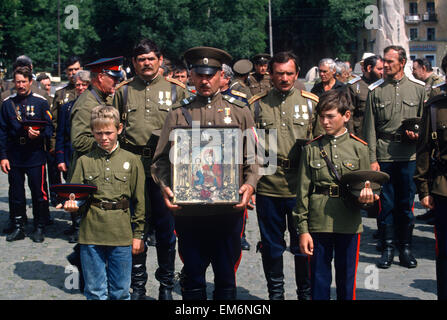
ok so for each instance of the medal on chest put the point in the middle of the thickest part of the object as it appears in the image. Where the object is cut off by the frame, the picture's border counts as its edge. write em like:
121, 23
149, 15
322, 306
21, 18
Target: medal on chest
304, 110
297, 112
32, 111
161, 96
227, 118
66, 97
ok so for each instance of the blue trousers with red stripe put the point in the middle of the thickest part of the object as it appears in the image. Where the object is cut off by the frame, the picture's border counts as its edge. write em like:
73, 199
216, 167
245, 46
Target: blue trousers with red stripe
205, 240
37, 182
344, 249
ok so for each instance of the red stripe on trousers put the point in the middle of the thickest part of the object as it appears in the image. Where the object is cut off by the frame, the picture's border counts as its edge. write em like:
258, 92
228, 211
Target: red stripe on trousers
236, 266
45, 196
356, 265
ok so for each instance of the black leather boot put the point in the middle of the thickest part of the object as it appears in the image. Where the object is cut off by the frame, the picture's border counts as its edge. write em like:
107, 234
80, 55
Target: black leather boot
18, 233
302, 277
441, 277
194, 294
139, 276
224, 294
387, 257
74, 258
41, 217
273, 270
406, 258
165, 272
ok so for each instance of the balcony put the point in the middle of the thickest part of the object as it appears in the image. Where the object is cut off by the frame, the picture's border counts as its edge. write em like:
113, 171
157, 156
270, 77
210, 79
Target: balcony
412, 18
430, 17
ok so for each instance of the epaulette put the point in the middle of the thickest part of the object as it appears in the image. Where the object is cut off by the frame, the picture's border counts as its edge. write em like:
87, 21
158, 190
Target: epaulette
438, 85
11, 96
315, 139
235, 101
179, 83
257, 97
358, 139
309, 95
422, 83
239, 94
184, 102
375, 84
63, 87
352, 81
39, 96
123, 83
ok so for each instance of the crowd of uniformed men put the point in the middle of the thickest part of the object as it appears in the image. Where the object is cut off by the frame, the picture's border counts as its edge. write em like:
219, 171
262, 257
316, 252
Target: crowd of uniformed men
42, 134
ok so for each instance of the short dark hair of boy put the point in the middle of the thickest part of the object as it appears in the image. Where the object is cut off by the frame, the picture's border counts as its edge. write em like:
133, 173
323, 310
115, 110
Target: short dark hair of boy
284, 57
146, 46
334, 99
72, 60
24, 71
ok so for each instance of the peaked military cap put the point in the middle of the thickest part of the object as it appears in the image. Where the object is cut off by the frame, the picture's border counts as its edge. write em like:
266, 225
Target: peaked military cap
411, 124
73, 191
110, 66
206, 60
35, 124
355, 181
243, 66
261, 58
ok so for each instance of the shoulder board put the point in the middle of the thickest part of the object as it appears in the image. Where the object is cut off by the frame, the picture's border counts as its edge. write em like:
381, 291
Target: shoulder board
314, 139
358, 139
376, 84
39, 96
257, 97
235, 101
239, 94
310, 95
63, 87
123, 83
352, 81
439, 85
422, 83
11, 96
179, 83
185, 102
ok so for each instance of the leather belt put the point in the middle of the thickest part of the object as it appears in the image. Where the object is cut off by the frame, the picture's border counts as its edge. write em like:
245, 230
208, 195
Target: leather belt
115, 205
396, 137
143, 151
285, 163
333, 191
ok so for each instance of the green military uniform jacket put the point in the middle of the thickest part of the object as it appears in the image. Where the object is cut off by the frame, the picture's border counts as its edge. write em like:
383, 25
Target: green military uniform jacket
239, 85
117, 175
148, 104
318, 212
211, 111
390, 102
259, 83
61, 97
432, 81
358, 92
430, 180
292, 114
81, 135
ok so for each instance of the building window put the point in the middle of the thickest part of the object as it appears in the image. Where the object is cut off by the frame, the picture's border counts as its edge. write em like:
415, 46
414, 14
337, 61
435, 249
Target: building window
431, 58
431, 34
413, 8
430, 7
413, 57
414, 33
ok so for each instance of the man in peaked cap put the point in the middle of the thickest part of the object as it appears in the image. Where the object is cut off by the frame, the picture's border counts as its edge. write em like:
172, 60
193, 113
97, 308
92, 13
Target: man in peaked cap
259, 80
144, 102
242, 69
207, 234
105, 74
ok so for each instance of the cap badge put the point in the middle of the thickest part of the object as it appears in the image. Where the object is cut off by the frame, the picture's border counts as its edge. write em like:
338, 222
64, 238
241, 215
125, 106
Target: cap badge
205, 61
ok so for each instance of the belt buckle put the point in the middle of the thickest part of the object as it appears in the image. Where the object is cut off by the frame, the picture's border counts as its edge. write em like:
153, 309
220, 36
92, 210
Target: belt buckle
332, 193
397, 137
22, 140
146, 152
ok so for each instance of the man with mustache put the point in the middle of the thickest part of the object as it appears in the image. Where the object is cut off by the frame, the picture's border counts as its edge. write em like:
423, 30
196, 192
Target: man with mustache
208, 234
392, 149
290, 112
144, 102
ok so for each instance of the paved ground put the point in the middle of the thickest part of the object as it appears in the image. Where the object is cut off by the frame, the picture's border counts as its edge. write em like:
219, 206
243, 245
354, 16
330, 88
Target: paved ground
31, 271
